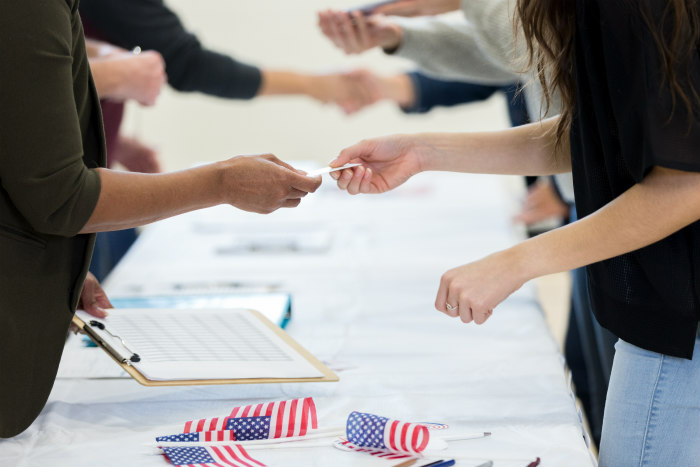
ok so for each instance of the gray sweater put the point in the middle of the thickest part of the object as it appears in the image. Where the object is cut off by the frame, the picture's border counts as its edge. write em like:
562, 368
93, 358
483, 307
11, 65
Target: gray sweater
479, 47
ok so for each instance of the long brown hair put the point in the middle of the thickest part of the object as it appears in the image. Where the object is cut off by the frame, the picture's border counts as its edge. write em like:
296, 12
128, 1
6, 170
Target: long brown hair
549, 27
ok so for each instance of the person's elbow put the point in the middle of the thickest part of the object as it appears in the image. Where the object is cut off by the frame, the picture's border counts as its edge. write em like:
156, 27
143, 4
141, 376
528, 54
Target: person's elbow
56, 222
61, 211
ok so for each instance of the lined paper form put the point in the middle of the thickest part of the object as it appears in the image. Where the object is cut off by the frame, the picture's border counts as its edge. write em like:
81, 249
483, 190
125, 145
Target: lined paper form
186, 344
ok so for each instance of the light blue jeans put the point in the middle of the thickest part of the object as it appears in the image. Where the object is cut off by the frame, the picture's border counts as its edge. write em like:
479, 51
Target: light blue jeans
652, 411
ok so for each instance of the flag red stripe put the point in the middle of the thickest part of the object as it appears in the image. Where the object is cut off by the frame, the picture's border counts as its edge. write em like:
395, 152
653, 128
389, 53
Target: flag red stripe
246, 410
426, 436
404, 437
234, 412
212, 424
392, 434
305, 410
258, 409
188, 426
221, 456
280, 415
245, 454
235, 455
292, 417
314, 416
270, 408
414, 438
200, 425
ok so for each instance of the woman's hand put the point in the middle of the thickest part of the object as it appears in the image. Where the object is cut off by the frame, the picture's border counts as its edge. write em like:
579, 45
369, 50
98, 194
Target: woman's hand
354, 33
386, 163
263, 183
93, 298
473, 291
124, 75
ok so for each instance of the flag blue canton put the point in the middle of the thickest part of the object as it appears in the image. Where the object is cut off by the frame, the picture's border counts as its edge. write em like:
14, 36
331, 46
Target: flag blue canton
365, 429
182, 437
188, 456
249, 428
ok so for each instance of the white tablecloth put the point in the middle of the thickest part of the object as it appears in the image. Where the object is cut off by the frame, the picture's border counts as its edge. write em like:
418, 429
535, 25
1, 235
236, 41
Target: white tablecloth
363, 289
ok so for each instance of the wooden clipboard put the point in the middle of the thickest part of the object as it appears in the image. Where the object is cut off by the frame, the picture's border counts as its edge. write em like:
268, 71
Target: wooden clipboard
328, 375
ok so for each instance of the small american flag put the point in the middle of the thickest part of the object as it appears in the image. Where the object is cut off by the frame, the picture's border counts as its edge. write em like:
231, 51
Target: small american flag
279, 419
372, 431
211, 456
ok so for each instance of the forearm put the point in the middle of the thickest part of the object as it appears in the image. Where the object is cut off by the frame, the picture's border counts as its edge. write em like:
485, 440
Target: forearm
131, 199
276, 82
107, 76
525, 150
663, 203
99, 49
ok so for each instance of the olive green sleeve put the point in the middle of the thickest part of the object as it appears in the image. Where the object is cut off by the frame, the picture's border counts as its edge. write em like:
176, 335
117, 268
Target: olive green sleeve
41, 145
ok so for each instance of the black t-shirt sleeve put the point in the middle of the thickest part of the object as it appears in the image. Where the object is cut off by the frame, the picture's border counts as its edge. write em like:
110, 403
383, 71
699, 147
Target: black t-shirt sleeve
150, 24
658, 133
42, 165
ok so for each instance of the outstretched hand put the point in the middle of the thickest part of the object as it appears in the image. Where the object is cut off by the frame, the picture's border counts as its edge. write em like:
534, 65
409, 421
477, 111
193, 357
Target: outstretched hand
386, 163
354, 33
263, 183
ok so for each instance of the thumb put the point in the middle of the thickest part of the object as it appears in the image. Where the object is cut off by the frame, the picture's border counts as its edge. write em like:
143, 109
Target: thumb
304, 182
356, 153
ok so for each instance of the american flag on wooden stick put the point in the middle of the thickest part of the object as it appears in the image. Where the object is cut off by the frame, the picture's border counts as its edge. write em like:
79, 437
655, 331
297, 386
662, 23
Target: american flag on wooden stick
211, 456
372, 431
268, 420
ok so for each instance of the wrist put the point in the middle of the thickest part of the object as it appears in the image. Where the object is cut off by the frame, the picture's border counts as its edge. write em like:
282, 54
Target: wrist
429, 149
390, 41
108, 79
530, 259
284, 82
215, 179
400, 89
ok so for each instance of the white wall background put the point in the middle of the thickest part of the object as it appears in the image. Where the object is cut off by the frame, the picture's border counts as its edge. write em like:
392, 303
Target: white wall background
189, 128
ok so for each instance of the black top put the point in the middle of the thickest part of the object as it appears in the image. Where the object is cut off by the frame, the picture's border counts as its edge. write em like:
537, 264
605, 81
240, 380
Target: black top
51, 139
149, 24
623, 128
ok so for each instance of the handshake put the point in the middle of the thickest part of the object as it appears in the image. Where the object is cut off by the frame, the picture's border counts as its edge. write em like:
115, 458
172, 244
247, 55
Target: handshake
354, 90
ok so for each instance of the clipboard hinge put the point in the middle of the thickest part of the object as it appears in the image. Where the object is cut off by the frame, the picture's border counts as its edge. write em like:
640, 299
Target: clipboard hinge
134, 358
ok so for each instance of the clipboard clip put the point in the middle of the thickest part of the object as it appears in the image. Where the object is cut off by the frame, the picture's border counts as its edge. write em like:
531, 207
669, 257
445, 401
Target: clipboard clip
135, 358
